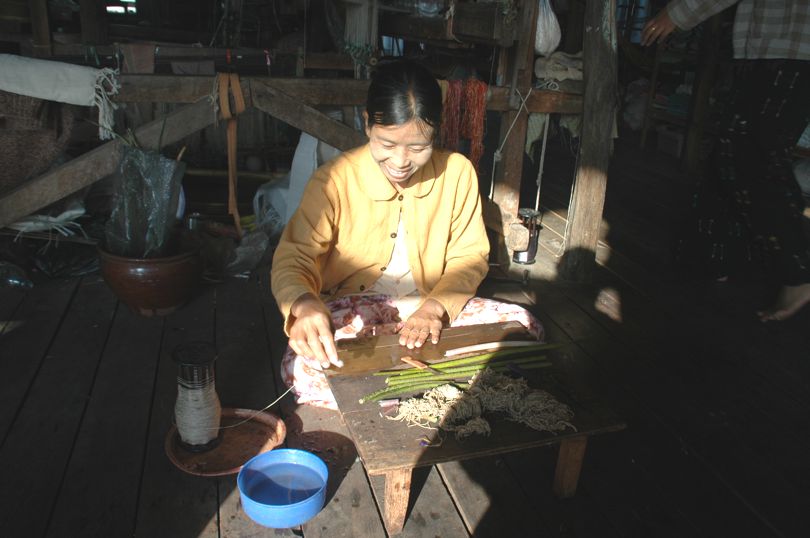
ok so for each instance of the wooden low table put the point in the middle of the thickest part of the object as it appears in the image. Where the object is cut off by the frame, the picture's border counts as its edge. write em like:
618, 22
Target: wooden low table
392, 449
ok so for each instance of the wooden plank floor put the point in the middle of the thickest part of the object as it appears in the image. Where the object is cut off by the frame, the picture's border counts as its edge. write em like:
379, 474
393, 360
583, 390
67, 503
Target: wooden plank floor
716, 403
717, 409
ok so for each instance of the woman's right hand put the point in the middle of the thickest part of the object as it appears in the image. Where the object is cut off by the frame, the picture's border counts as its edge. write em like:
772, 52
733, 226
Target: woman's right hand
311, 331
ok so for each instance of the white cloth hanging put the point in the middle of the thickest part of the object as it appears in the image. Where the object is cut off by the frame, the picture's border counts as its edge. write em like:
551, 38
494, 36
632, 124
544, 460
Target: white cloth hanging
66, 83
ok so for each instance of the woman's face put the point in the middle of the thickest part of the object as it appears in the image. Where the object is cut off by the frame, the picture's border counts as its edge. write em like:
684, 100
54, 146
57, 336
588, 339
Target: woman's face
400, 150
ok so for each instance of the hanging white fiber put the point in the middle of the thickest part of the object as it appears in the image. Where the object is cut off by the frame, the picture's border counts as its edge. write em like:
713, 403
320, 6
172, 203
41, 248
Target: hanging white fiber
106, 85
63, 82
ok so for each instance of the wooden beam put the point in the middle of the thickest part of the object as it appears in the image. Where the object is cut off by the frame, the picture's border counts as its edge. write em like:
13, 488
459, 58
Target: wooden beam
99, 162
544, 101
483, 23
187, 89
40, 28
470, 23
411, 27
331, 92
599, 116
289, 110
337, 61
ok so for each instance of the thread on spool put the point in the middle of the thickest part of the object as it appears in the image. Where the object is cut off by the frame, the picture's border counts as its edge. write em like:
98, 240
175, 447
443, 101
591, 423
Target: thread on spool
197, 412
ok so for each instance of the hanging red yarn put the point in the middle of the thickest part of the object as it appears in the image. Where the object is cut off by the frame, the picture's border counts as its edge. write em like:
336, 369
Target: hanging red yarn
451, 115
472, 123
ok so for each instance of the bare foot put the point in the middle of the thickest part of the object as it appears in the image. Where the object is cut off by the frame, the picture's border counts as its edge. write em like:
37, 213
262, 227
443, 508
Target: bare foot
789, 301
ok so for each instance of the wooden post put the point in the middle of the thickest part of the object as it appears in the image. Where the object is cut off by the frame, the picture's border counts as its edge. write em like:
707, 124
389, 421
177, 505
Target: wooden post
569, 466
397, 493
91, 17
40, 28
506, 193
598, 124
705, 77
572, 37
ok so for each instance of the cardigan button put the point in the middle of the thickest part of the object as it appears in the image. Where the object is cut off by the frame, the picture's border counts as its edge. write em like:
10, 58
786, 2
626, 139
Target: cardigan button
400, 198
362, 287
394, 235
383, 268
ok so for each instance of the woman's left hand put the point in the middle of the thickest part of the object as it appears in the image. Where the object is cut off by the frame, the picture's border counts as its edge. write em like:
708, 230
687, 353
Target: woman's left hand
426, 322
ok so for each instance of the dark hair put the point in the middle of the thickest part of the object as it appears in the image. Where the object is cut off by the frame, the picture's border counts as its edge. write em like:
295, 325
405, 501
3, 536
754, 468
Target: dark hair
402, 91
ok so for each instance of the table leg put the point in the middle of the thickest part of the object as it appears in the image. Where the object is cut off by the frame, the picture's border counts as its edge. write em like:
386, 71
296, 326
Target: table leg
395, 504
569, 465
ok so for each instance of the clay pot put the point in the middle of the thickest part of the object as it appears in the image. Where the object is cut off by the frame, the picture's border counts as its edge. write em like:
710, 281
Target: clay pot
154, 286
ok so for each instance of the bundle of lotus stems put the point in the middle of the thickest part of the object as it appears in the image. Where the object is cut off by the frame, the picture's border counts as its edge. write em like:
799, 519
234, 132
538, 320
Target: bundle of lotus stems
458, 371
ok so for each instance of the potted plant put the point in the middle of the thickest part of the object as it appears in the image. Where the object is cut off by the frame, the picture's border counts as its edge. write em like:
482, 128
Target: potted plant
143, 258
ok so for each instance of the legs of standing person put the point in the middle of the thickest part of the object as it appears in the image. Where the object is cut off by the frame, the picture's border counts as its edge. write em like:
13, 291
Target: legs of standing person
777, 111
718, 235
751, 201
356, 316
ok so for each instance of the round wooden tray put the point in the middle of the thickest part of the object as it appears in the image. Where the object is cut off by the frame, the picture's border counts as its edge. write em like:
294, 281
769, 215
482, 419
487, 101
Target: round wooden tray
263, 432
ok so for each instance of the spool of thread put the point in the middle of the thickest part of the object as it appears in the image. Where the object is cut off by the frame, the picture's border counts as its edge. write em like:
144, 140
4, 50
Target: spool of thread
197, 410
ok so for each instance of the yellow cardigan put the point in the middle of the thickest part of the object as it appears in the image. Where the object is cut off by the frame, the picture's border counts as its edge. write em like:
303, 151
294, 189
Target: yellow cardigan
342, 235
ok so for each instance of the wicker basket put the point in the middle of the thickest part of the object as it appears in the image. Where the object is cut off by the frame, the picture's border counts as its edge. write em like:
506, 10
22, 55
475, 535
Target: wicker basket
33, 133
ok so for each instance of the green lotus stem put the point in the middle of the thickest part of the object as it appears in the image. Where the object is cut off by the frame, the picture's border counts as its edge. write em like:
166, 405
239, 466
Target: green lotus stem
416, 372
476, 358
452, 373
400, 390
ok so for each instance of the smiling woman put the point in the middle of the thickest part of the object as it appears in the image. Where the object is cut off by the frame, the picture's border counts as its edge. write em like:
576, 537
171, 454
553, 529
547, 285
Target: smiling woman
388, 238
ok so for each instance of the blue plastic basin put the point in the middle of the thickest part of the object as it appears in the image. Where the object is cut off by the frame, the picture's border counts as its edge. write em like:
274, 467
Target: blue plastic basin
283, 488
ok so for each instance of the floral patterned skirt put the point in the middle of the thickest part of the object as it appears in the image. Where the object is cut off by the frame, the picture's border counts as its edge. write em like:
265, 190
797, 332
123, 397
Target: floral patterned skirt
363, 315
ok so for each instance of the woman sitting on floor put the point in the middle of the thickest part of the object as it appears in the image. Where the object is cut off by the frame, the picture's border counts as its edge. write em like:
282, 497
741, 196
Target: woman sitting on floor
388, 238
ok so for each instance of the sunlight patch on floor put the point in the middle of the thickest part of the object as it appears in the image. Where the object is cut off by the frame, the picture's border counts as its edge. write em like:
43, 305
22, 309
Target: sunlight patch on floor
608, 302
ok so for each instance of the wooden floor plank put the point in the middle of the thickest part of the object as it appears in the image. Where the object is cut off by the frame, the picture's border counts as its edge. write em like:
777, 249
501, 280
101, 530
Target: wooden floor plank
432, 512
99, 493
10, 300
655, 433
171, 502
350, 509
580, 516
245, 379
24, 348
655, 391
577, 517
37, 449
714, 411
490, 500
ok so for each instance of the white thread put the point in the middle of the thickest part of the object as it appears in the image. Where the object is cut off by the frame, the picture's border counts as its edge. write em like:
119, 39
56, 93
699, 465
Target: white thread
542, 163
197, 413
106, 85
248, 419
268, 406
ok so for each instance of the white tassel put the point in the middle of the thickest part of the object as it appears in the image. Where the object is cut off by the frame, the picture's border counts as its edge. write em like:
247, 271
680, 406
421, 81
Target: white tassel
106, 85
